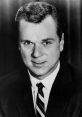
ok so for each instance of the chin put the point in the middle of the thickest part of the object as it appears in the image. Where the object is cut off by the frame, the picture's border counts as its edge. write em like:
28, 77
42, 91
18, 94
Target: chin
38, 72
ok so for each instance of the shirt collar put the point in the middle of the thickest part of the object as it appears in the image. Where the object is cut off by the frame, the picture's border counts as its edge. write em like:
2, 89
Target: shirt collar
48, 81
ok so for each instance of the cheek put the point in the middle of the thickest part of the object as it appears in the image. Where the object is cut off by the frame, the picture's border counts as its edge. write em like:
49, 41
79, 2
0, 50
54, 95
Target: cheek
25, 54
54, 53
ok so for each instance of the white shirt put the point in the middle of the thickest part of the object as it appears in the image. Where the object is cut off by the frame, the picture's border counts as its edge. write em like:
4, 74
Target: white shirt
47, 82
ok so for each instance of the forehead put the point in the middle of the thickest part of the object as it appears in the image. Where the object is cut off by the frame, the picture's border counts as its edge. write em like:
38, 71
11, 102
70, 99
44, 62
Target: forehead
45, 29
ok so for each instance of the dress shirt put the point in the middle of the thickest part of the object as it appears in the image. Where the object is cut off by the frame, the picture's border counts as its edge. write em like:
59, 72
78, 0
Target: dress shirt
47, 82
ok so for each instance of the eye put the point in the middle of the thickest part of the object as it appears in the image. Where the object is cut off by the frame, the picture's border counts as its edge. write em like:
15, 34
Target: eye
26, 42
47, 42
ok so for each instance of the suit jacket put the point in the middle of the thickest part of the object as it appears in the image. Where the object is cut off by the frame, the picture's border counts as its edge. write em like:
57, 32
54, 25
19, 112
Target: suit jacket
16, 96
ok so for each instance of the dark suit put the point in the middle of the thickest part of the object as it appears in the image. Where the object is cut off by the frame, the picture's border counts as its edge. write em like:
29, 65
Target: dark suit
16, 96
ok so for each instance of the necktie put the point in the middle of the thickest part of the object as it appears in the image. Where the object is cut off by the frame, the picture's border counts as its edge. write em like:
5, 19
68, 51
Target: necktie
40, 105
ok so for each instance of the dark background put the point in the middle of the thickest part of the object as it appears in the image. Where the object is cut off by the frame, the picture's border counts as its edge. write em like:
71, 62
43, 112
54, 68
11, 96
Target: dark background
9, 54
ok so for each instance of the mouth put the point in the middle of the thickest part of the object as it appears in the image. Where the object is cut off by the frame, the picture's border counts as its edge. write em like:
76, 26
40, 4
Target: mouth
38, 64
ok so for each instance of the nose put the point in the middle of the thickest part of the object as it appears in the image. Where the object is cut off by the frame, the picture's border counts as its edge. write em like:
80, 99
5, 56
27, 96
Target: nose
36, 51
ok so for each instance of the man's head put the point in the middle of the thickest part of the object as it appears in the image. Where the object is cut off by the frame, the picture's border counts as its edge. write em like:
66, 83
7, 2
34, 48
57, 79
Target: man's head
40, 37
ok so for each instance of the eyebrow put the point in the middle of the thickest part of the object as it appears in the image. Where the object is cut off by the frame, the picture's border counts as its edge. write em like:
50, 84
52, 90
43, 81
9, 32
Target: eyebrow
26, 41
48, 39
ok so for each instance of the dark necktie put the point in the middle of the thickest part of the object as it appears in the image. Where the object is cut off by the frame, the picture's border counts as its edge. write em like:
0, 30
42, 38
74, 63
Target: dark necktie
40, 105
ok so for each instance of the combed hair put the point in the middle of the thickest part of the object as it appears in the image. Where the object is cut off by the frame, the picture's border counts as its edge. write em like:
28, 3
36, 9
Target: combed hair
36, 12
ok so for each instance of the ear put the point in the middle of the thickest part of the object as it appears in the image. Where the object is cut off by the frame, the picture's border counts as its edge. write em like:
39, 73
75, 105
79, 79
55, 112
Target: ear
62, 43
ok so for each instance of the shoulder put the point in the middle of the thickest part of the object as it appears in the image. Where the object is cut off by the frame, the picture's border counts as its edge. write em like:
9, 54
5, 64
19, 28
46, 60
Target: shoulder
12, 83
13, 87
76, 74
71, 76
73, 71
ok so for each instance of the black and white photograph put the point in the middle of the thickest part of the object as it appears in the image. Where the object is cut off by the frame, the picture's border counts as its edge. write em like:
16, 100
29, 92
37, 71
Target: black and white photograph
40, 58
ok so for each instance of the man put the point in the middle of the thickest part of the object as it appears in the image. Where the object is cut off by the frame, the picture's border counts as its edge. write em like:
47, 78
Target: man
48, 86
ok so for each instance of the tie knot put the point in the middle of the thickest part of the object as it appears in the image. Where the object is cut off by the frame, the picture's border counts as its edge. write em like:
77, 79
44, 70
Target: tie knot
40, 86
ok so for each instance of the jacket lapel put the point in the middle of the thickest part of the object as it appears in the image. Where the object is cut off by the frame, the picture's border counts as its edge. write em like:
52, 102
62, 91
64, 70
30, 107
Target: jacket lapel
25, 105
60, 93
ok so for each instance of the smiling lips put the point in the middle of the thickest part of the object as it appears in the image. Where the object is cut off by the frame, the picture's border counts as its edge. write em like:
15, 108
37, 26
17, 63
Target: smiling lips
38, 64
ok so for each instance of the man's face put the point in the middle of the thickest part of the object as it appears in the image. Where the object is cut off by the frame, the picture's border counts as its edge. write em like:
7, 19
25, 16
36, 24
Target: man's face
40, 46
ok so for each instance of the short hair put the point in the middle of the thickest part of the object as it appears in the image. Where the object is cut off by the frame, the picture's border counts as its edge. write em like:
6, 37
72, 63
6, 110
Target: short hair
36, 12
